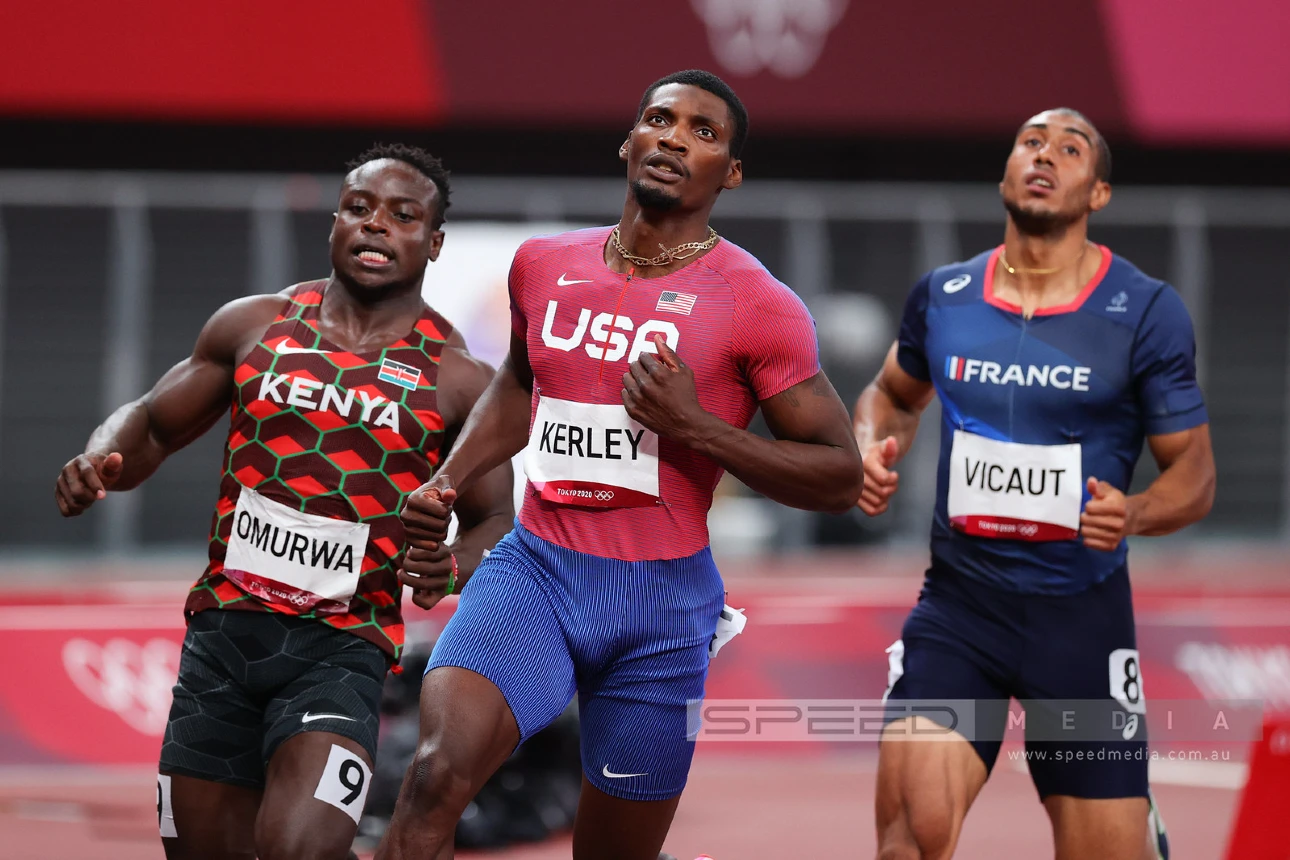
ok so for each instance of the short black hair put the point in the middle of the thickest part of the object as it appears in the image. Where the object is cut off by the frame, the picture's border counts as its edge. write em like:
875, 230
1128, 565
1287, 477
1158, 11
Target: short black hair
713, 84
429, 167
1102, 168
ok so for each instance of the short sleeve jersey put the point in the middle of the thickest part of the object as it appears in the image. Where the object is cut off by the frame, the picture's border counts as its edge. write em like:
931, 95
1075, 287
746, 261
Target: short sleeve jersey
746, 336
1115, 365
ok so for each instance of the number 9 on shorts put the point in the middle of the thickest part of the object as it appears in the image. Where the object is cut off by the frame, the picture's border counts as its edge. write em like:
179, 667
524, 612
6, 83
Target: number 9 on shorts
344, 782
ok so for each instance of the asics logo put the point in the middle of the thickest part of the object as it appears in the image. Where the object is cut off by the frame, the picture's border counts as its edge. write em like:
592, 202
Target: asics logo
309, 718
611, 775
564, 281
283, 349
953, 285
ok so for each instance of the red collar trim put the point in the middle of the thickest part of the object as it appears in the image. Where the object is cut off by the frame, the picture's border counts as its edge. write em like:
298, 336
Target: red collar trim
1073, 305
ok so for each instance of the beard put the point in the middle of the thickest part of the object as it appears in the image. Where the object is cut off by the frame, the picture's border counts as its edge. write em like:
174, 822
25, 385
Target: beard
656, 199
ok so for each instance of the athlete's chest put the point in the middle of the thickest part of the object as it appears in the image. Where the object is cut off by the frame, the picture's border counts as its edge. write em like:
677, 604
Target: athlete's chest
597, 326
389, 395
1056, 367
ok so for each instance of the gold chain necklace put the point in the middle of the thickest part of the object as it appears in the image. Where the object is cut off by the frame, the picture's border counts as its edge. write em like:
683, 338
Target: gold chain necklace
1013, 270
668, 255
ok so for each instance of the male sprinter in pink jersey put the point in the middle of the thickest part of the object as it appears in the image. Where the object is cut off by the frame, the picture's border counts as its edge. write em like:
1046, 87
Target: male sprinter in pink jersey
639, 355
345, 392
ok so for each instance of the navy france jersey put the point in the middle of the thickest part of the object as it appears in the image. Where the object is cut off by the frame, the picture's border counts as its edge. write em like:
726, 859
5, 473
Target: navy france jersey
1032, 408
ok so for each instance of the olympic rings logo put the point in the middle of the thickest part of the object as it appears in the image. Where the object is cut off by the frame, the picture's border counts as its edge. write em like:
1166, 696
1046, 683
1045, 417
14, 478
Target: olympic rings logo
604, 495
1029, 529
132, 679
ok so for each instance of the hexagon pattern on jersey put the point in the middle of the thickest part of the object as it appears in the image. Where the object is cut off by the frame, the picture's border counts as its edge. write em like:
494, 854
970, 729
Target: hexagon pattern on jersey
332, 434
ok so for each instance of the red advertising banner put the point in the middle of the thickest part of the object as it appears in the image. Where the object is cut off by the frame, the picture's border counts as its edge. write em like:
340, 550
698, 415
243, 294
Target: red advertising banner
1156, 70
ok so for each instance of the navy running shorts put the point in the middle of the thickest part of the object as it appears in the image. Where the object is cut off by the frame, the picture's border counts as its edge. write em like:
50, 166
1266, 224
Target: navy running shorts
1071, 662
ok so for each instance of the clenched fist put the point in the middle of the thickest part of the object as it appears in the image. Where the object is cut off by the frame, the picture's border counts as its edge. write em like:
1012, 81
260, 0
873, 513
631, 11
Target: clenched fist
85, 480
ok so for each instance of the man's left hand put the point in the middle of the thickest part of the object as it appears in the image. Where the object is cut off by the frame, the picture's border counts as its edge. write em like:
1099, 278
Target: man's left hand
659, 392
1103, 523
428, 573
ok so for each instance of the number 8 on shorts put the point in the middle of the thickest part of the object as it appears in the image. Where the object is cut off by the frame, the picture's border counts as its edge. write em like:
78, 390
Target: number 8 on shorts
1126, 680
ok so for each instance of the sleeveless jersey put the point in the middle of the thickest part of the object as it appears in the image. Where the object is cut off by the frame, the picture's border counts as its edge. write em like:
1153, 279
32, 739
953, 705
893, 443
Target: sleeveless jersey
1031, 408
746, 336
323, 448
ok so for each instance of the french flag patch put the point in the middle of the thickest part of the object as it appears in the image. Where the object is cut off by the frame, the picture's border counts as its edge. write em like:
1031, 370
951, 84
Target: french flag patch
403, 375
677, 303
954, 367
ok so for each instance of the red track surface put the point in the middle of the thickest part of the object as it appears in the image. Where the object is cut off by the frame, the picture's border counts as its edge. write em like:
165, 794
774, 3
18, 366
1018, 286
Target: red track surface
813, 636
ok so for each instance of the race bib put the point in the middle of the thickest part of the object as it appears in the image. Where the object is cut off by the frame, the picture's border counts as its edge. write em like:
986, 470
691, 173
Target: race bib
1014, 491
293, 559
591, 454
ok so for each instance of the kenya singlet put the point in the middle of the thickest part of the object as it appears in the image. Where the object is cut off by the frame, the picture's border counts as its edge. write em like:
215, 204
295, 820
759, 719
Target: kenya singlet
598, 481
323, 447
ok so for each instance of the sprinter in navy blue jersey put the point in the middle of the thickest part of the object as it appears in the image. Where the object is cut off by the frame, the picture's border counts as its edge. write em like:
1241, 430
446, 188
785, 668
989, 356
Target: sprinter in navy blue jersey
1053, 359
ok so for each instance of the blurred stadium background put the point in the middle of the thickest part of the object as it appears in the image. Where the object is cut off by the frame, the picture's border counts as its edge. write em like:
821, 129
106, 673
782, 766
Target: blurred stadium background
158, 160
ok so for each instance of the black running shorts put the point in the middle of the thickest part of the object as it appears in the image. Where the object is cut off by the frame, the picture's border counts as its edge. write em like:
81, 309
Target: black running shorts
250, 680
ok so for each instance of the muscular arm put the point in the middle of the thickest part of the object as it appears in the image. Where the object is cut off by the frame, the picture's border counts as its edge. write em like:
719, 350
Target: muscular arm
182, 406
485, 508
811, 464
498, 426
891, 405
1184, 491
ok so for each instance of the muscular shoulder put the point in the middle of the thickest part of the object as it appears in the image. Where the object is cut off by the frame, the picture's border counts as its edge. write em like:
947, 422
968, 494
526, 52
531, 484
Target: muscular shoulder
1134, 299
238, 323
462, 380
538, 248
753, 287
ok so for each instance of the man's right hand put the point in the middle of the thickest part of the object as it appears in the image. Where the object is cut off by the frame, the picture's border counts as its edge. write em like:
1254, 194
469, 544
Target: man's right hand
880, 482
427, 512
85, 480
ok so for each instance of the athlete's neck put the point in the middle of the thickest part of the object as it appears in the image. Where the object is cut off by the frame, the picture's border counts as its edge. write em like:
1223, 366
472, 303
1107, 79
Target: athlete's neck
1048, 270
362, 319
645, 233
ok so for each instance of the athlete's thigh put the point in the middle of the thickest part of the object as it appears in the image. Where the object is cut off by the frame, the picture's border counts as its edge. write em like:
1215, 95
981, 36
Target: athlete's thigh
1109, 829
614, 828
1082, 688
928, 779
314, 793
210, 771
635, 708
320, 740
203, 820
959, 649
936, 755
946, 711
509, 628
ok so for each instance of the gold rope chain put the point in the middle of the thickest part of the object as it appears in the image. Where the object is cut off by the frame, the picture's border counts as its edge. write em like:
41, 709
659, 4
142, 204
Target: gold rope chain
668, 255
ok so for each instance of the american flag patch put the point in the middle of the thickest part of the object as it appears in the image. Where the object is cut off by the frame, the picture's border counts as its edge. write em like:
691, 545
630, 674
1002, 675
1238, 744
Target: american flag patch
403, 375
677, 303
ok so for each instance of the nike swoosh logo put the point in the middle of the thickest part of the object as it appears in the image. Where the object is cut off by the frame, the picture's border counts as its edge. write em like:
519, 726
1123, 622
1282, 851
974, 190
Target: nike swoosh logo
309, 718
607, 772
283, 349
562, 282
